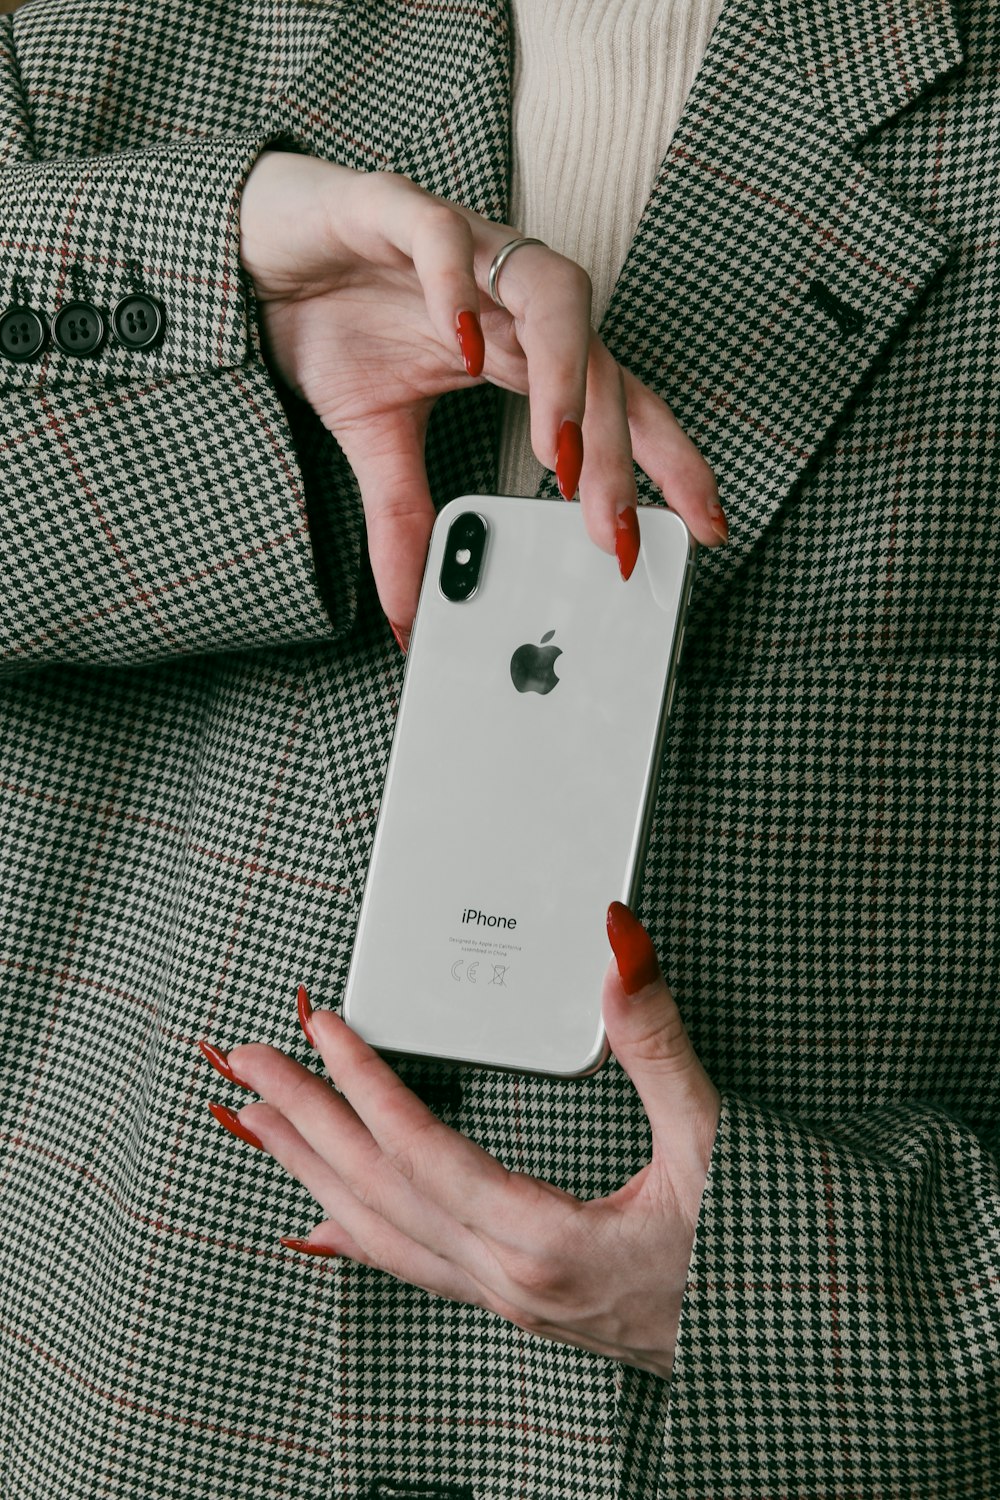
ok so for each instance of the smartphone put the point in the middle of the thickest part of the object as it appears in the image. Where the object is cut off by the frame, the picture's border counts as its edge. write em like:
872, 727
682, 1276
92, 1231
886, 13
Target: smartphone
519, 787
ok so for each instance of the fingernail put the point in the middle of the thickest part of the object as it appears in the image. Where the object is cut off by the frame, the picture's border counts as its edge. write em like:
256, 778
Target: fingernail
220, 1063
471, 342
569, 458
720, 525
402, 637
627, 540
306, 1249
231, 1121
633, 949
305, 1014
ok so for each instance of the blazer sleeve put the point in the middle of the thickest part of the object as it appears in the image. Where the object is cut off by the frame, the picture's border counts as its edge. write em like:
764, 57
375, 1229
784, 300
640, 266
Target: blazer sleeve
840, 1331
153, 502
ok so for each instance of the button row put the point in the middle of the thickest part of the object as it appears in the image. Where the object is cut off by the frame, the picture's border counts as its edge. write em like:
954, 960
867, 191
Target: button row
79, 327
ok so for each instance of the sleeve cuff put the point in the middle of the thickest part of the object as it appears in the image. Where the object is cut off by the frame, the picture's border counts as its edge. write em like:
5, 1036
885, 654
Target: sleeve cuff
163, 220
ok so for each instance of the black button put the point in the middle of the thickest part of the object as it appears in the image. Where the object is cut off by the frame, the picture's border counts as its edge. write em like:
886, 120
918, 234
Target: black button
78, 328
137, 321
22, 333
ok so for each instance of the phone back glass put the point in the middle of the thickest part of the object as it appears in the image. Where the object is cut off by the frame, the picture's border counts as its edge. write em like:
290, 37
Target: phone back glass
510, 819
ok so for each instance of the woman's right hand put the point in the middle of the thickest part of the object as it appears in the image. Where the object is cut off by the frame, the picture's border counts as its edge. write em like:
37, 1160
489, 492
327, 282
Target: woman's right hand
361, 278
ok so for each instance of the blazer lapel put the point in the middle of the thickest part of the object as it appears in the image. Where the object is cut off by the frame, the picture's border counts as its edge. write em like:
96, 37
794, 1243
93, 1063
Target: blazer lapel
407, 87
770, 268
866, 59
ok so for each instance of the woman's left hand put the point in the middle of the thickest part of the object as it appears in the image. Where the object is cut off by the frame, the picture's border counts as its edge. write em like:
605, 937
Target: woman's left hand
407, 1194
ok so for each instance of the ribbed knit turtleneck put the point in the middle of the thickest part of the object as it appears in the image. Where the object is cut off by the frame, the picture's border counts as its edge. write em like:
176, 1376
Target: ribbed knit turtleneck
598, 89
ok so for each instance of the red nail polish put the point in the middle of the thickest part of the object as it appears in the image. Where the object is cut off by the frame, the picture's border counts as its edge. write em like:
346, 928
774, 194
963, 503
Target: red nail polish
402, 637
627, 541
471, 342
305, 1015
569, 459
220, 1063
232, 1122
306, 1249
719, 523
633, 950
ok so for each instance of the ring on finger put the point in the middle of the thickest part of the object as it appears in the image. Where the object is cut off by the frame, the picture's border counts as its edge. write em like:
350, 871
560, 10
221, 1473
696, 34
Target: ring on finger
501, 256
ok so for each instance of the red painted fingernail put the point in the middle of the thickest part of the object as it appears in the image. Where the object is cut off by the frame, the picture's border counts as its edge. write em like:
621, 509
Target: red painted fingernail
633, 950
220, 1063
232, 1122
720, 525
306, 1249
305, 1015
471, 342
627, 541
402, 637
569, 459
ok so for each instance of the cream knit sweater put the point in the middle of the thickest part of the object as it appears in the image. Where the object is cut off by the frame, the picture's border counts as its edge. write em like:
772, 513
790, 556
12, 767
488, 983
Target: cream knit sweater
598, 90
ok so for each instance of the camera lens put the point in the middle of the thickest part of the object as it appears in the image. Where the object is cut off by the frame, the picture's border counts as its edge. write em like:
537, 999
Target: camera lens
463, 556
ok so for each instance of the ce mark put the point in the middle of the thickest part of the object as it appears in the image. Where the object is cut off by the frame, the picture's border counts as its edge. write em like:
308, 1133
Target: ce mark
470, 971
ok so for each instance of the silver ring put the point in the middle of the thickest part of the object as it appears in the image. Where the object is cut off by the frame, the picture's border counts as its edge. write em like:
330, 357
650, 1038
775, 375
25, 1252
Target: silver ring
497, 266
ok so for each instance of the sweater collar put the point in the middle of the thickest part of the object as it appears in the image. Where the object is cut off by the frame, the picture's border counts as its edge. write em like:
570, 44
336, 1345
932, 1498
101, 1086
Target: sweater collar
867, 59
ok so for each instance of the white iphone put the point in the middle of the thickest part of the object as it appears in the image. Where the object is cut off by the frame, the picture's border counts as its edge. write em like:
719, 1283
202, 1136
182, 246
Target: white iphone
519, 788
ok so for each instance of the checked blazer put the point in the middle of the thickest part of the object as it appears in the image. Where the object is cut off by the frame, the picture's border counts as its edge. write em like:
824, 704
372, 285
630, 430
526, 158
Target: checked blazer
196, 713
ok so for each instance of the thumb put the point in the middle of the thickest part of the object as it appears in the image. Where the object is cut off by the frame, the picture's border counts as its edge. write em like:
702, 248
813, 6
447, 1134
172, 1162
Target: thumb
648, 1038
386, 454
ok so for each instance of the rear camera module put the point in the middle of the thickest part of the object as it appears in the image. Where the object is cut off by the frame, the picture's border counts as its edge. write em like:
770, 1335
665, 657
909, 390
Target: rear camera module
463, 556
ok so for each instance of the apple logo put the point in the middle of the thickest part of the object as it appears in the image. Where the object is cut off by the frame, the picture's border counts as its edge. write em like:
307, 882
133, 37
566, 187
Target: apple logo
532, 669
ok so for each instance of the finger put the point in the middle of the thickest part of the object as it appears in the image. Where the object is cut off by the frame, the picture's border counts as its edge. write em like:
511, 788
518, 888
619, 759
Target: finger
650, 1041
549, 298
337, 1134
441, 247
387, 457
355, 1230
607, 484
664, 451
437, 238
448, 1169
332, 1130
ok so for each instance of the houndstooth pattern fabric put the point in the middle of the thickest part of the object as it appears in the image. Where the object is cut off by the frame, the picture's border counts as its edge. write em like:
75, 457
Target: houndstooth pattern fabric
199, 696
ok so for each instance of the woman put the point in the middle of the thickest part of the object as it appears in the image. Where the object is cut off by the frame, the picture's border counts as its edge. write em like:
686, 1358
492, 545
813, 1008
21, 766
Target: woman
204, 696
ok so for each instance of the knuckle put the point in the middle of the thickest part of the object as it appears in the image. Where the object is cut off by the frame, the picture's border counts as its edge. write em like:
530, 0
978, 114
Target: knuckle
577, 280
563, 284
401, 1161
393, 194
536, 1274
439, 221
398, 506
407, 1156
369, 1189
390, 182
298, 1090
382, 189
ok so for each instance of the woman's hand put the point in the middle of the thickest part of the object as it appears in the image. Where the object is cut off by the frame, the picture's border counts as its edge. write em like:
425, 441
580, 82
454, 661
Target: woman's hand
406, 1194
361, 278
